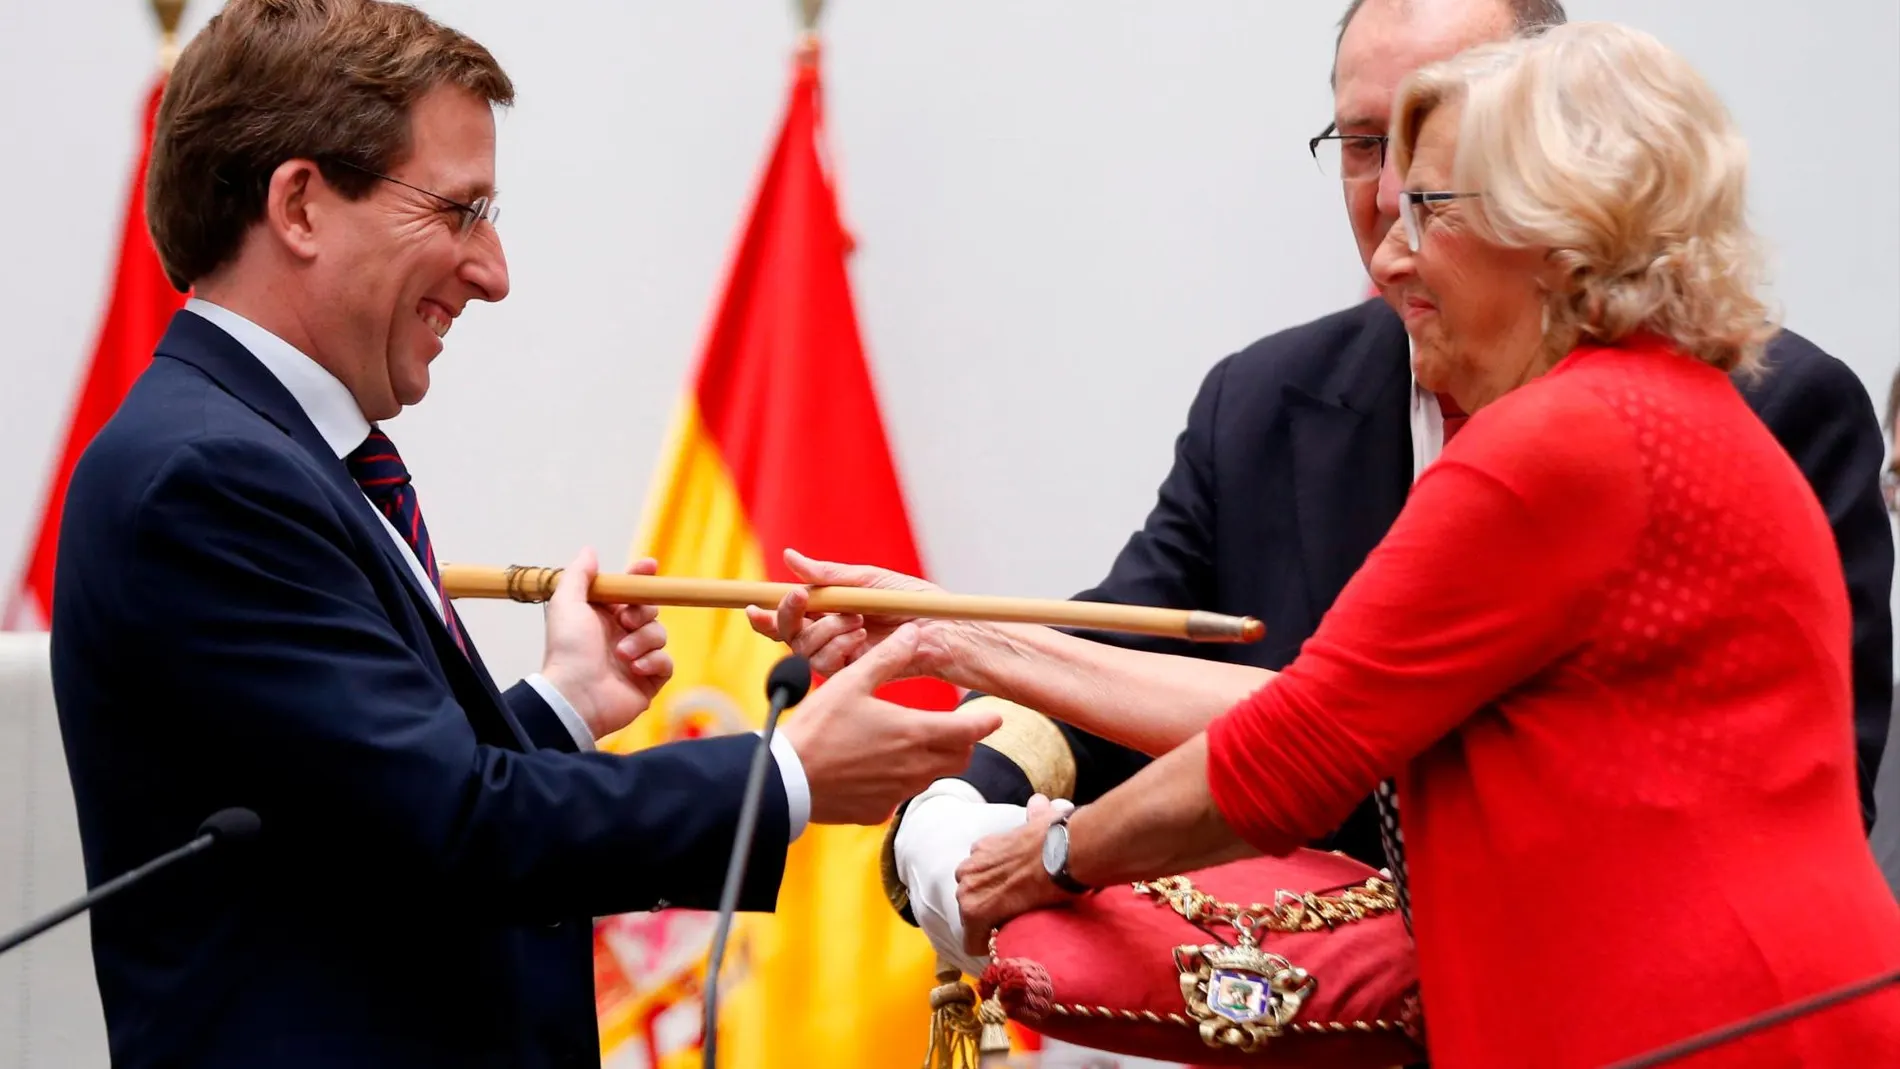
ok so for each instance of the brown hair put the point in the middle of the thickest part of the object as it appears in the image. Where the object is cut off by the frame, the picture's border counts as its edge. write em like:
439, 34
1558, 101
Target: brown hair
267, 81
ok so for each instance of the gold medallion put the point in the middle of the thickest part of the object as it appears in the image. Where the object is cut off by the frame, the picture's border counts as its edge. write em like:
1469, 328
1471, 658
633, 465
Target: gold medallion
1241, 995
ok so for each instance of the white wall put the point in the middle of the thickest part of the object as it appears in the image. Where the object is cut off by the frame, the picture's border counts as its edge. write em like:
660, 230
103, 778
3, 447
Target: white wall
1067, 210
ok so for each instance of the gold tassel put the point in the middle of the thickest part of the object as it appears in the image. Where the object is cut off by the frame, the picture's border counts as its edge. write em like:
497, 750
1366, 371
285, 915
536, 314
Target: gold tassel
995, 1038
956, 1033
964, 1032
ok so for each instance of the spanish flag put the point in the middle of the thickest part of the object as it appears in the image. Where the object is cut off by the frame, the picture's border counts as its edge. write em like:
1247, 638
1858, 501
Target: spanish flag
138, 309
778, 443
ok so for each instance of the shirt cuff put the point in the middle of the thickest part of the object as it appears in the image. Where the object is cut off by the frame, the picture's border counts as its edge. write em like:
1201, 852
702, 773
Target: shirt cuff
797, 788
583, 738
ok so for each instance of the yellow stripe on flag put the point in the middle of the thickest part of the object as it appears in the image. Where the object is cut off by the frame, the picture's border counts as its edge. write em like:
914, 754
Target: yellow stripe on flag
833, 978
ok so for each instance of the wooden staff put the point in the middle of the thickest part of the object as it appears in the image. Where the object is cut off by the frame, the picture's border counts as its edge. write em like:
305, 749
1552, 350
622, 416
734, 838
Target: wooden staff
534, 584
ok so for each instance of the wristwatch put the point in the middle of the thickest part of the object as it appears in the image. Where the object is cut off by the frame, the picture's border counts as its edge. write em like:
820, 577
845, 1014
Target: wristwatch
1055, 856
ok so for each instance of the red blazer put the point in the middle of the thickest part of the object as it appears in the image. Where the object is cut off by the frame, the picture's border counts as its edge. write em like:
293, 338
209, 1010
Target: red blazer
1592, 649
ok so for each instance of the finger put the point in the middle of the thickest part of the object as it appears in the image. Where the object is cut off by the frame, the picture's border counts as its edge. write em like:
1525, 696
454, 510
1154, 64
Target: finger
765, 623
655, 667
976, 930
576, 578
819, 633
1062, 805
884, 661
791, 614
825, 572
957, 730
642, 642
644, 566
1038, 807
835, 657
634, 617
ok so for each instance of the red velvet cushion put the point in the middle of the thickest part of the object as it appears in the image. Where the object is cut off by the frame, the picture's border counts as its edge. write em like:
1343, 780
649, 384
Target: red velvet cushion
1101, 973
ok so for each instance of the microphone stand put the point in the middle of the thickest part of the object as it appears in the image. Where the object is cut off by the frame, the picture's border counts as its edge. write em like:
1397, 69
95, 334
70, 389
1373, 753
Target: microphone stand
786, 686
1721, 1036
227, 824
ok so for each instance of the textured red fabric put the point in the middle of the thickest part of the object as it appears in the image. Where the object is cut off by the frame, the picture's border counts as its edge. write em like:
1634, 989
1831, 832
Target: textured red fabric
1115, 949
1605, 649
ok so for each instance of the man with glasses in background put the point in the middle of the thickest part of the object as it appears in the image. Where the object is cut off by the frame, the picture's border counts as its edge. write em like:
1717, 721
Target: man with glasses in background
1297, 456
1886, 837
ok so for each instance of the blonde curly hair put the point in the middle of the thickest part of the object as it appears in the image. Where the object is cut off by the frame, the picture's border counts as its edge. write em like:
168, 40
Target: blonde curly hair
1599, 143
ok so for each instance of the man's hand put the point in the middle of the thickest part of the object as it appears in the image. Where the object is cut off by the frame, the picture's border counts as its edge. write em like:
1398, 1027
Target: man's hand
863, 756
1003, 877
608, 661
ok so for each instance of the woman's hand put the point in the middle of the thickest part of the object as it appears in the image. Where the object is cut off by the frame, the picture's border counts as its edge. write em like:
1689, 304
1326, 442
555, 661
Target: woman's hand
1003, 877
831, 641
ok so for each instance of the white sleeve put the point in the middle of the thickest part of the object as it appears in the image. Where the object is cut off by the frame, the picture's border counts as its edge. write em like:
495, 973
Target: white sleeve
797, 788
583, 738
939, 828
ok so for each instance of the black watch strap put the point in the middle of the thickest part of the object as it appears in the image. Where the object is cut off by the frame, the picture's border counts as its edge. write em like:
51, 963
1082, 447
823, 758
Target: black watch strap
1060, 874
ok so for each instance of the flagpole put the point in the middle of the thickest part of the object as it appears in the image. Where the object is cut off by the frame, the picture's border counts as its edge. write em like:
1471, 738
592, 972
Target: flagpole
169, 14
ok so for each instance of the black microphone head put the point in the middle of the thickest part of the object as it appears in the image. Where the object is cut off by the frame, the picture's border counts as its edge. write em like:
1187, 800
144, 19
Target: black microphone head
792, 675
234, 825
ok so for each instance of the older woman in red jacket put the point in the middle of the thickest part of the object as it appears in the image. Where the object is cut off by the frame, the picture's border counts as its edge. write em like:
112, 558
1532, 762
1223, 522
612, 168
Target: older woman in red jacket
1592, 648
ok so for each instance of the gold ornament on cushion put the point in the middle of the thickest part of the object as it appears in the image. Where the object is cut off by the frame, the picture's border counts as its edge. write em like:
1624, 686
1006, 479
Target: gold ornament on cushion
1241, 995
1321, 976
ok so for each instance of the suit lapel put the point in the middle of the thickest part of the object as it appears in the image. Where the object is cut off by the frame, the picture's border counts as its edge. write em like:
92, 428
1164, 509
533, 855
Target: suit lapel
1351, 441
196, 341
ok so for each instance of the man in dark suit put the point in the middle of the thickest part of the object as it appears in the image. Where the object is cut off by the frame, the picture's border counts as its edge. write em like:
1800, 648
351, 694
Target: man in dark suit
1298, 454
1886, 835
248, 613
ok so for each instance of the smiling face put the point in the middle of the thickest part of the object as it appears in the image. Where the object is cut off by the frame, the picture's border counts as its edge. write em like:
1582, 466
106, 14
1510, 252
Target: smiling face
391, 271
1474, 308
1386, 41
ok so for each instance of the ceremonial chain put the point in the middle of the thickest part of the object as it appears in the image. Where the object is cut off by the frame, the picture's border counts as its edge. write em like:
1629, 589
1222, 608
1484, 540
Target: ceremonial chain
1289, 912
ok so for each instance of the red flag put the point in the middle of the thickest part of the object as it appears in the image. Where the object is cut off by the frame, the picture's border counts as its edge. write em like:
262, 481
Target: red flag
779, 441
141, 304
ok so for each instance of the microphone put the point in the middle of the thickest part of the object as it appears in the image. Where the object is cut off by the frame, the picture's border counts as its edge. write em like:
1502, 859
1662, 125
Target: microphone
785, 687
233, 826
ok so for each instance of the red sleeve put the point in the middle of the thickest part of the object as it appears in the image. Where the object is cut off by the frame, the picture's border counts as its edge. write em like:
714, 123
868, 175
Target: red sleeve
1488, 575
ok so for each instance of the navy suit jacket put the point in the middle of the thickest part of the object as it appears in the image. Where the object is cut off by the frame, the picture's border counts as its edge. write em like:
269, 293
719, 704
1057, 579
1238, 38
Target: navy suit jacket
1297, 457
232, 626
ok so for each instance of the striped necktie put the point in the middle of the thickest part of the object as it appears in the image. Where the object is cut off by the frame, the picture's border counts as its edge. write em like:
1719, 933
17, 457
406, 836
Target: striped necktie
379, 470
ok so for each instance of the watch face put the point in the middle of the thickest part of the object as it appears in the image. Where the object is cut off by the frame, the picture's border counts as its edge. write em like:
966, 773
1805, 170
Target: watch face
1055, 848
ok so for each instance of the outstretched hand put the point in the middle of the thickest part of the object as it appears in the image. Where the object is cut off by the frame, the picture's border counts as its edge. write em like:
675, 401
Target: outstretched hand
864, 756
831, 641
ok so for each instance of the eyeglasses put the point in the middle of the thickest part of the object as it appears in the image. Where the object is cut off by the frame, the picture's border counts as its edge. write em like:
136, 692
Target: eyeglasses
1414, 218
483, 208
1348, 157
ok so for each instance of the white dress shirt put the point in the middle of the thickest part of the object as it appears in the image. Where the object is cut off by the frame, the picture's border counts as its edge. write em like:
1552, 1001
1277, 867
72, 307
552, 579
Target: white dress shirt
327, 403
1428, 419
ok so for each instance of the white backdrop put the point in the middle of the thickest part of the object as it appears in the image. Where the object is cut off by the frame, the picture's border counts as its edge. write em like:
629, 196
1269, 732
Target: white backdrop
1066, 210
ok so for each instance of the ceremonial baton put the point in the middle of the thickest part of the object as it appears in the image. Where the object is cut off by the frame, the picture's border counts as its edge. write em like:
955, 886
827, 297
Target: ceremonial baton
535, 584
